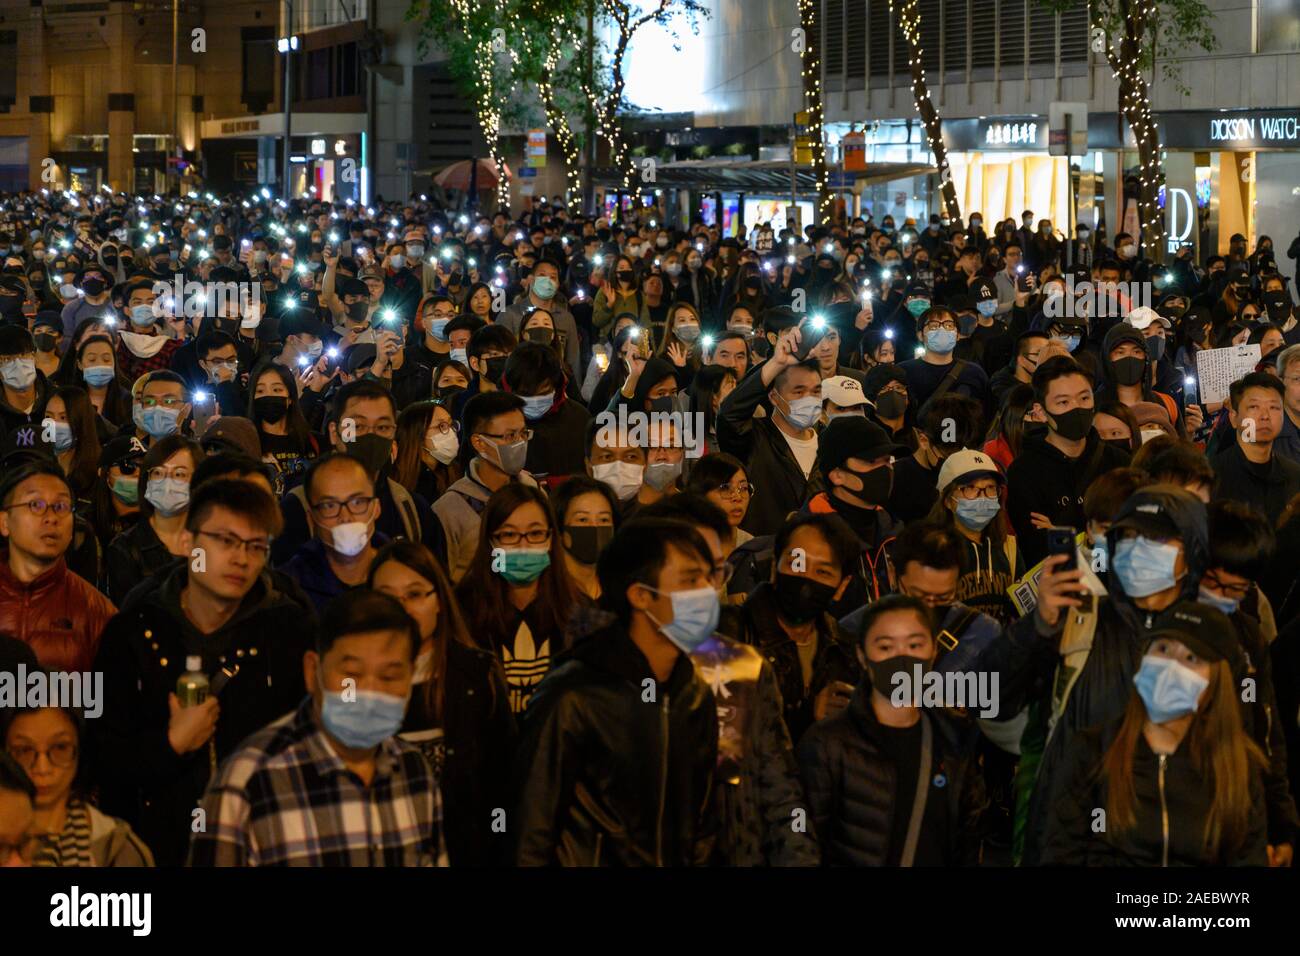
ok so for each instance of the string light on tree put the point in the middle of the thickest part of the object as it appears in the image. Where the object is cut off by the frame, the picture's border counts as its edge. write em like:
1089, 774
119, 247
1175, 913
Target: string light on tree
909, 21
812, 97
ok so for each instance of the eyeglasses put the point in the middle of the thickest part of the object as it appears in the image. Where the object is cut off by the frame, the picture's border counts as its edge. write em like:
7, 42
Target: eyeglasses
38, 506
162, 472
330, 508
256, 547
509, 539
971, 492
443, 428
167, 401
383, 431
61, 755
1237, 591
742, 490
947, 326
511, 438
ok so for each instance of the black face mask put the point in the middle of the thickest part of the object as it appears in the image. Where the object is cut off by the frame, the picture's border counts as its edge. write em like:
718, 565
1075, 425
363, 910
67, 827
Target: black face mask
1076, 423
1128, 371
891, 405
876, 484
375, 452
542, 336
357, 310
882, 673
800, 599
1124, 444
46, 341
447, 393
587, 541
271, 408
752, 285
10, 303
496, 367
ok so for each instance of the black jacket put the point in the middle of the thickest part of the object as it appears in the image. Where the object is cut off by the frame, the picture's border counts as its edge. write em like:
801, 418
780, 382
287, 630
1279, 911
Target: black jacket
131, 557
771, 465
559, 440
1043, 480
142, 654
1173, 801
608, 774
852, 786
1267, 488
472, 757
833, 661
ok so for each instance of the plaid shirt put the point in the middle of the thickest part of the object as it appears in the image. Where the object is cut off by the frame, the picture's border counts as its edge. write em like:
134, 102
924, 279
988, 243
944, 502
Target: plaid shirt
286, 799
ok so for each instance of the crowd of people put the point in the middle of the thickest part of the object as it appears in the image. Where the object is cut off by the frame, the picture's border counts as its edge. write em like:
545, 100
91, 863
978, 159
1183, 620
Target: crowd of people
393, 535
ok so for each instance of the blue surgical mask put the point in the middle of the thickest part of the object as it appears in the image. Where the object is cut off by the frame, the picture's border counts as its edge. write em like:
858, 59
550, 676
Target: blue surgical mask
976, 513
1167, 688
523, 565
168, 496
63, 438
695, 617
987, 307
97, 376
535, 406
365, 722
157, 422
461, 356
804, 412
437, 328
142, 316
543, 287
1225, 604
1071, 341
941, 341
1144, 567
917, 306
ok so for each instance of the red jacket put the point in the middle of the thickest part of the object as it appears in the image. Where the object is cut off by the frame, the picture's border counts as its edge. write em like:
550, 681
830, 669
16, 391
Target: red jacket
59, 615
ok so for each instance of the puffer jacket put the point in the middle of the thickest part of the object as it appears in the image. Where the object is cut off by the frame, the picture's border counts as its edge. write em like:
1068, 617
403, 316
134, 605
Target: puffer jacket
142, 779
58, 614
1173, 801
851, 784
607, 775
1104, 679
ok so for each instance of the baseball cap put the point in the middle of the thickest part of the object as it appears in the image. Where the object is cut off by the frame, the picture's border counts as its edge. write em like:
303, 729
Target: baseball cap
120, 449
301, 323
48, 319
371, 271
843, 391
981, 290
965, 466
852, 436
1146, 513
1207, 631
232, 433
1144, 315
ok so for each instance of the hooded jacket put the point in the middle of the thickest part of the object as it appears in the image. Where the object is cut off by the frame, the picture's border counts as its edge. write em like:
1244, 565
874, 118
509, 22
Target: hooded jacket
459, 512
142, 655
609, 776
58, 614
1104, 680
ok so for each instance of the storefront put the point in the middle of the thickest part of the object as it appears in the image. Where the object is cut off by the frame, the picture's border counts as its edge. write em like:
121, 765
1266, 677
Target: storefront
326, 154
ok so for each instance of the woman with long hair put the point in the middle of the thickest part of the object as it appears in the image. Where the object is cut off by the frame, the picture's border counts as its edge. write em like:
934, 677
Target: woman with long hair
479, 302
1117, 425
154, 541
458, 713
588, 514
287, 440
70, 831
711, 385
517, 593
76, 439
1178, 779
619, 293
1006, 436
681, 333
631, 350
94, 368
428, 448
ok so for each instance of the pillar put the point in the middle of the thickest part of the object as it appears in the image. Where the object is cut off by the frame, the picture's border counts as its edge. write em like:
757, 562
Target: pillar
119, 96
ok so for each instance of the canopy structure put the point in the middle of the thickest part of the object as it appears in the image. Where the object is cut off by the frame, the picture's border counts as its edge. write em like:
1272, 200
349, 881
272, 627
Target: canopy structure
761, 176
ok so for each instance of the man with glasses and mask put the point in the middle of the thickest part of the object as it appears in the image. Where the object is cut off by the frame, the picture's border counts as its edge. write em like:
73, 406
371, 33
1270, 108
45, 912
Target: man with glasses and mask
495, 429
937, 371
220, 612
23, 388
54, 611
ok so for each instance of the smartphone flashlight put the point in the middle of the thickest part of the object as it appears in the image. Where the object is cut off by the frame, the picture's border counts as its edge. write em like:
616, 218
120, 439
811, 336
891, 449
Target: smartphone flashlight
200, 396
333, 352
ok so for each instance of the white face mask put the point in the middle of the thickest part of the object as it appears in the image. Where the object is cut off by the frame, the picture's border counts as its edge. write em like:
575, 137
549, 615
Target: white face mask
443, 446
350, 539
623, 477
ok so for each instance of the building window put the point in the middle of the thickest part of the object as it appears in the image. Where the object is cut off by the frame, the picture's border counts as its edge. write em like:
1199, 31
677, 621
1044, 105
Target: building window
8, 70
1279, 26
260, 67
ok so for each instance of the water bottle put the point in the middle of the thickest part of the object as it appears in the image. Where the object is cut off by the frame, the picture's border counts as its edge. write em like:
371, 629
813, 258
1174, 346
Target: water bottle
192, 686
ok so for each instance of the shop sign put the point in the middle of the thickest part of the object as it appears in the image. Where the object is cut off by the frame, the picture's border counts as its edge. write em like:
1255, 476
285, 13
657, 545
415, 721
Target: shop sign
1013, 133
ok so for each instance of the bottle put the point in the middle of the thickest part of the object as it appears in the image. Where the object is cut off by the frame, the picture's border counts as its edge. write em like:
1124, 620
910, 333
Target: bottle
192, 687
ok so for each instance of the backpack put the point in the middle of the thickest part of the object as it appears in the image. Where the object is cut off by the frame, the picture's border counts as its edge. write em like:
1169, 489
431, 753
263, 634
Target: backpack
401, 497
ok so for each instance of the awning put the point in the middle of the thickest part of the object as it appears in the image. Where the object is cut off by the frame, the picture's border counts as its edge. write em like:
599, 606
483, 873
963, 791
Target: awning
761, 176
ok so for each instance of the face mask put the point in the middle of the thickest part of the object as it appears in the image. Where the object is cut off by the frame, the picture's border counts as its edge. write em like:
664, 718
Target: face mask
365, 722
259, 256
348, 539
271, 408
496, 367
216, 367
157, 422
695, 617
443, 446
891, 404
397, 261
978, 512
69, 291
126, 490
800, 599
19, 373
876, 484
623, 477
1128, 250
694, 264
1074, 424
1071, 341
1128, 371
142, 316
1167, 688
415, 251
940, 341
804, 412
541, 336
587, 541
1155, 346
63, 439
357, 311
461, 356
917, 306
373, 451
536, 406
1225, 604
966, 323
987, 307
169, 497
314, 350
688, 332
673, 269
882, 672
438, 329
510, 458
524, 565
660, 474
544, 287
1145, 567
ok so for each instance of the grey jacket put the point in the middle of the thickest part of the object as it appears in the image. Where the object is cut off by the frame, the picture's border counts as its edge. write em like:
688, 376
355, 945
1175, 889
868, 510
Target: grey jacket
459, 509
565, 326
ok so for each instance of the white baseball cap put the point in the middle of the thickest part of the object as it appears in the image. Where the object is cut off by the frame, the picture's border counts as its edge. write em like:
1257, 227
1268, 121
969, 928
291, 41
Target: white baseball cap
843, 391
967, 465
1143, 316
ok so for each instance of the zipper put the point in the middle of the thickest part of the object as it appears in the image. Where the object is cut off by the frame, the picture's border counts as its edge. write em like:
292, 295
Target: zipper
600, 838
1164, 813
663, 782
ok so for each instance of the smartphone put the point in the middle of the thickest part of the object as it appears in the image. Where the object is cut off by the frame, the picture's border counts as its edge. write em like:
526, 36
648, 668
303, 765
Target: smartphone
1060, 540
810, 336
204, 406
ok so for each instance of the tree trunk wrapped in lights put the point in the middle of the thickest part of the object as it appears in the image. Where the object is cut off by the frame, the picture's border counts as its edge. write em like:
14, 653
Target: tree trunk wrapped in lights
909, 19
810, 22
